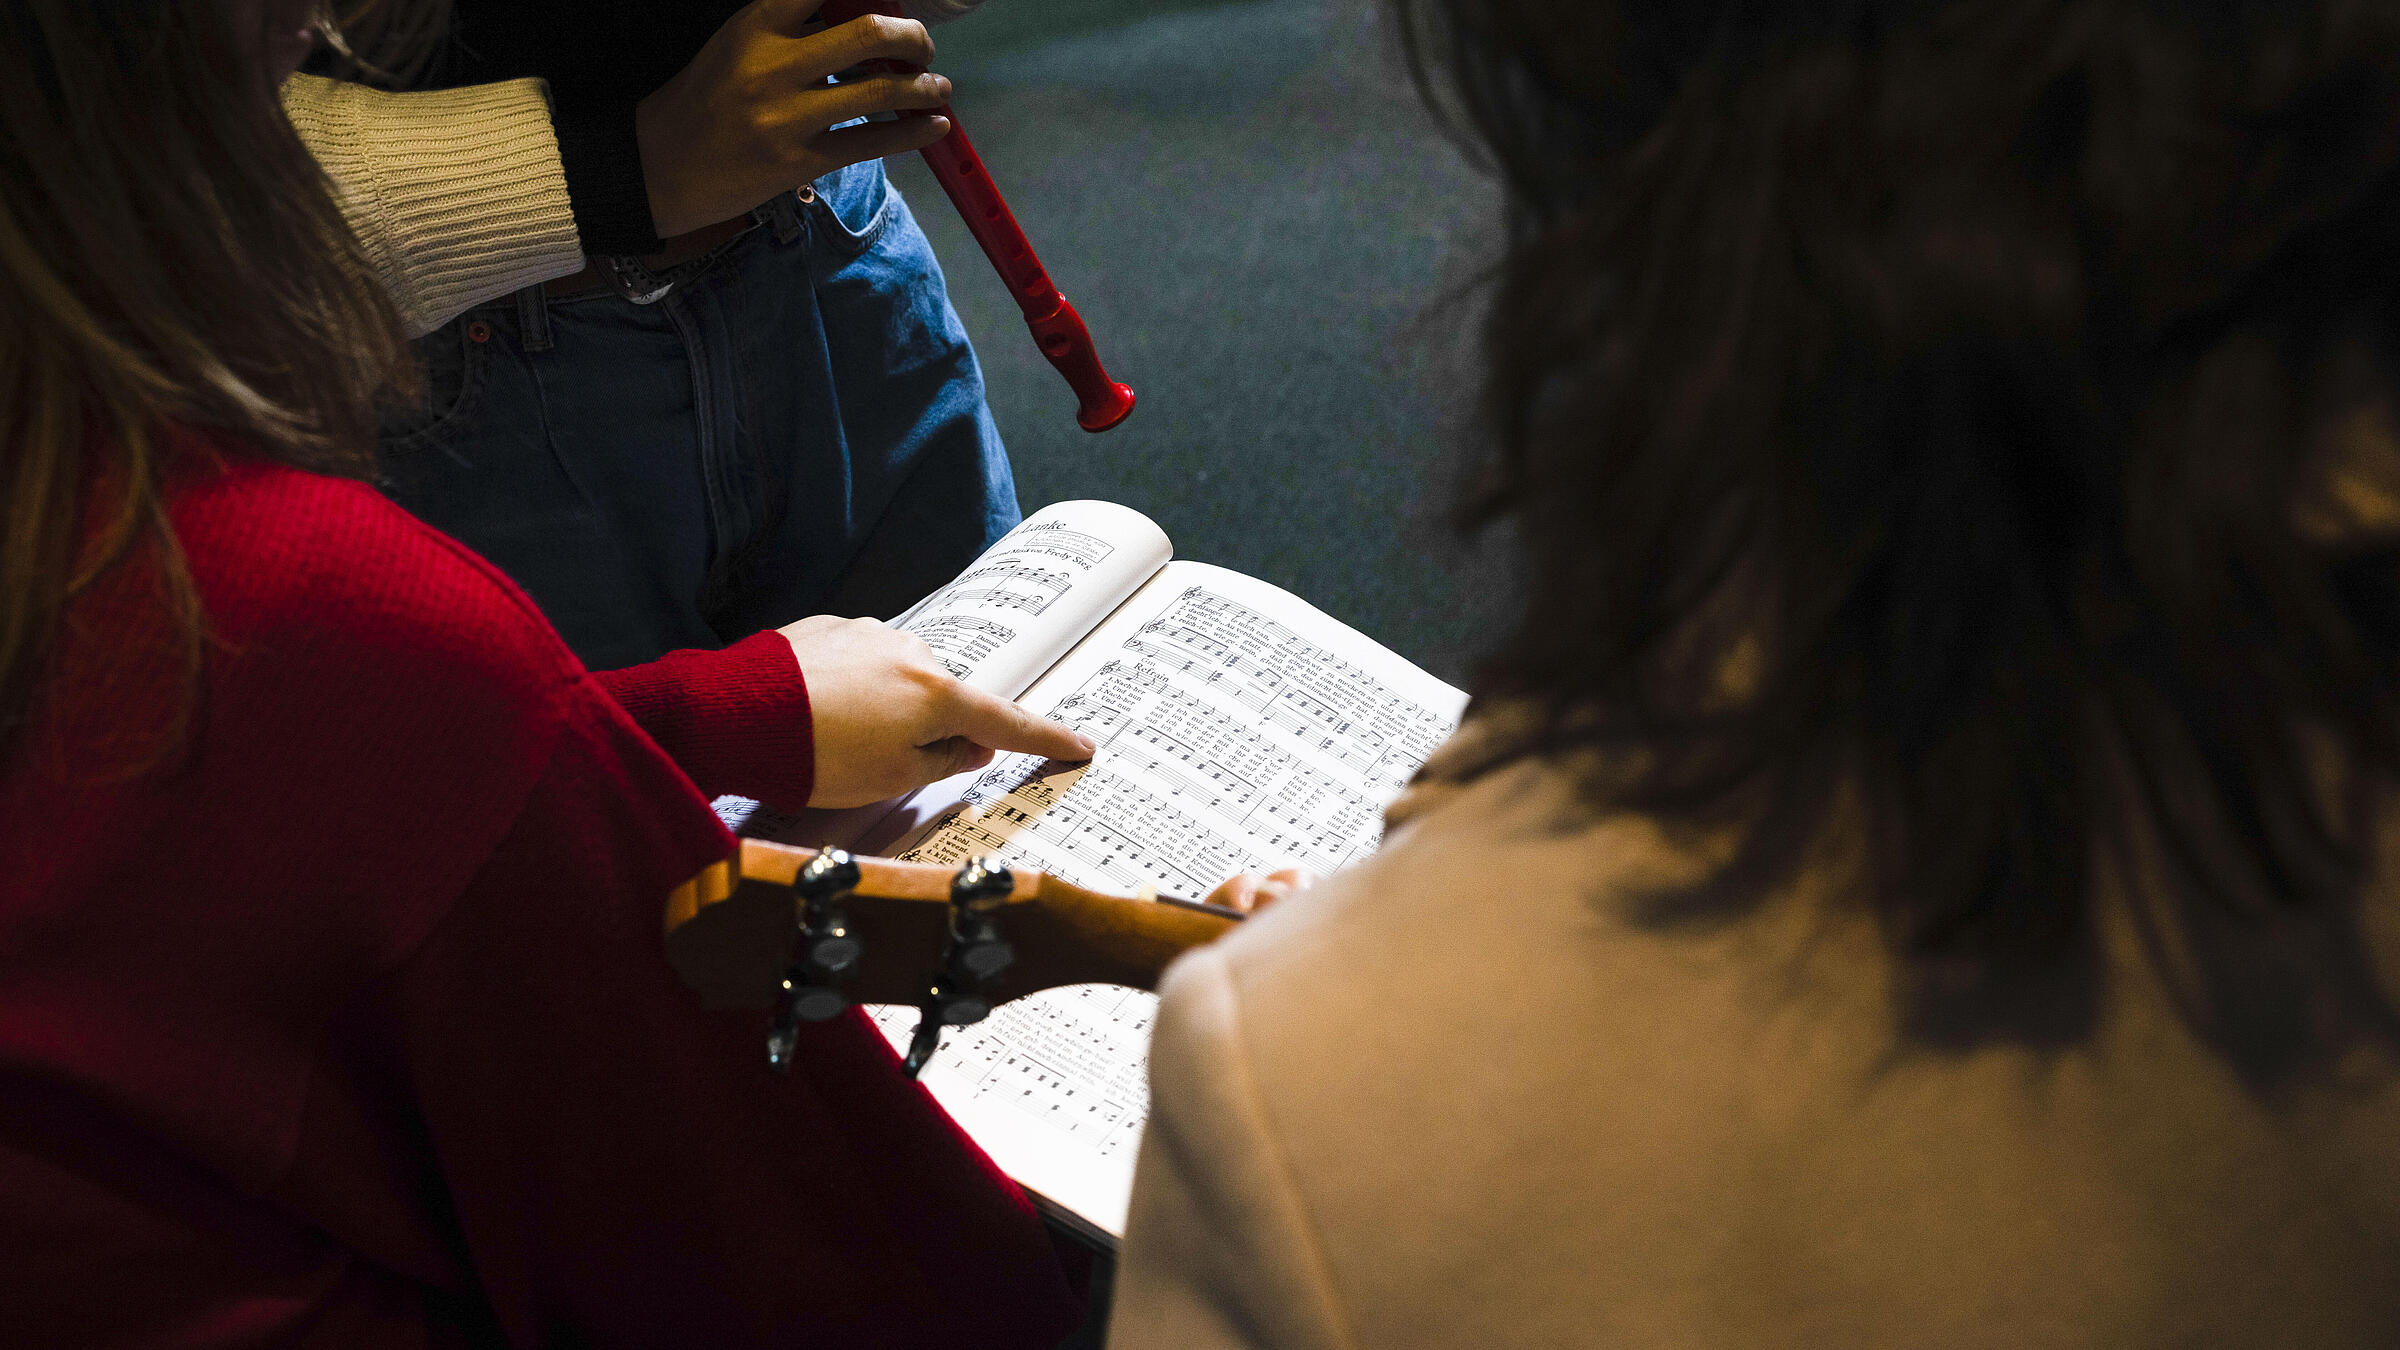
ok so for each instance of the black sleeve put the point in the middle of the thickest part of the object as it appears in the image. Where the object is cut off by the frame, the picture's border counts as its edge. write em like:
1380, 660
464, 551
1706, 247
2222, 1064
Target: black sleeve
601, 57
603, 162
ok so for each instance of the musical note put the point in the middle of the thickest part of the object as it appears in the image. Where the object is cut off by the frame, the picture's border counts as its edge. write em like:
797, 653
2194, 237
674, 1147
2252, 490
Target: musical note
1031, 570
1228, 742
1070, 1061
1012, 576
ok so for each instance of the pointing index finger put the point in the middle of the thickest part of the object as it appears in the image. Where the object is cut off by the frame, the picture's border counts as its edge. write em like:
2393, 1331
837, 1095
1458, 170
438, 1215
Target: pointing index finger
1003, 725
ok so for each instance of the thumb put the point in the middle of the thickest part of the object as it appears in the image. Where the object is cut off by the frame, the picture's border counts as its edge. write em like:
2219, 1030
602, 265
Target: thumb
1239, 891
1002, 725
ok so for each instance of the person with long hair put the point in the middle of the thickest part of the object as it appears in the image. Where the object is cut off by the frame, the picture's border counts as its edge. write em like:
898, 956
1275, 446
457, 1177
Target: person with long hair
332, 1005
1920, 871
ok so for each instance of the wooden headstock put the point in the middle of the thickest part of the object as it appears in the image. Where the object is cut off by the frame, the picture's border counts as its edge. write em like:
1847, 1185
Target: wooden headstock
731, 931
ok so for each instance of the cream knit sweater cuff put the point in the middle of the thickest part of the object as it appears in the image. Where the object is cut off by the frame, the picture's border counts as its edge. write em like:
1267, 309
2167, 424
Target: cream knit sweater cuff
456, 194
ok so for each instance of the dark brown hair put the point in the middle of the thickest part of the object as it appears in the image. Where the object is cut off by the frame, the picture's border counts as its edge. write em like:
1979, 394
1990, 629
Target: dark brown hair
1923, 422
169, 254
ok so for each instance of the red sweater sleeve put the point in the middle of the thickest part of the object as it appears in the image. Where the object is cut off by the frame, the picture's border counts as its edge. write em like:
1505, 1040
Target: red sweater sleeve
735, 720
340, 1017
624, 1168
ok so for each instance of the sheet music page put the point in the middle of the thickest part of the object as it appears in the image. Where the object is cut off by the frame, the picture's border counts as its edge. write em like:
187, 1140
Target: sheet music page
1019, 608
1010, 616
1240, 728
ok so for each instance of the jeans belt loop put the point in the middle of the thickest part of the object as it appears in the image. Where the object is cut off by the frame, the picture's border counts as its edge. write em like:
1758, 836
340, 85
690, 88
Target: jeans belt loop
533, 319
784, 213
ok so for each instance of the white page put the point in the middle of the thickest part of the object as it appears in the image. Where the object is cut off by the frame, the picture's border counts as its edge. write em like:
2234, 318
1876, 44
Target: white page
1240, 729
1017, 610
1010, 616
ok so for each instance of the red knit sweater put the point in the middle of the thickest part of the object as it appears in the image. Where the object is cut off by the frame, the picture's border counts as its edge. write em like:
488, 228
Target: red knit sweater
347, 1024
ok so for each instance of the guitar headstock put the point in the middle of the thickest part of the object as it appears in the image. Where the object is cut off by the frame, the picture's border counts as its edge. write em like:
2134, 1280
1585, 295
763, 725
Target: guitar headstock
774, 924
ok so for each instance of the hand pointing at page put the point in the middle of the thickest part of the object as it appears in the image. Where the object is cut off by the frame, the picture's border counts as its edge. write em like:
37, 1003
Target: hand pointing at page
889, 719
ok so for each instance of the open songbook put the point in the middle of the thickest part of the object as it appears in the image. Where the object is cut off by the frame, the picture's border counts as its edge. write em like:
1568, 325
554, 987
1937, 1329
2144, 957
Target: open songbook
1240, 729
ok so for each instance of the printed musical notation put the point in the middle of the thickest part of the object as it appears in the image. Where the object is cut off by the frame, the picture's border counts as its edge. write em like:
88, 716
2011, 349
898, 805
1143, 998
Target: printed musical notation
1281, 677
1057, 539
1005, 619
960, 641
1008, 585
1228, 743
1070, 1061
1106, 828
1029, 570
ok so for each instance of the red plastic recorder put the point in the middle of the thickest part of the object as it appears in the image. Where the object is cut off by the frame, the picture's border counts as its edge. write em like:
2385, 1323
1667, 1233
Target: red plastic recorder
1057, 329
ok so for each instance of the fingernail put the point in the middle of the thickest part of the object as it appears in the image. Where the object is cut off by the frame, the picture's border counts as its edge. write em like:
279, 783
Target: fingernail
1090, 747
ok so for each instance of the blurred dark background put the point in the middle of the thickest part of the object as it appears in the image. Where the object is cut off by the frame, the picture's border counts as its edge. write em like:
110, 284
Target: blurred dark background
1271, 242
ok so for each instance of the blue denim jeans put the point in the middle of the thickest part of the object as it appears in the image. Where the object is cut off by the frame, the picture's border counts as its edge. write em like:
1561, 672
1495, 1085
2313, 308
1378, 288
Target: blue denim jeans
798, 427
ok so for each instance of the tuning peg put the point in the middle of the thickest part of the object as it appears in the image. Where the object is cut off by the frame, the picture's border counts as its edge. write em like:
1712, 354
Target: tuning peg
975, 956
945, 1005
982, 883
799, 1002
811, 986
828, 876
825, 930
981, 953
961, 1007
921, 1045
977, 951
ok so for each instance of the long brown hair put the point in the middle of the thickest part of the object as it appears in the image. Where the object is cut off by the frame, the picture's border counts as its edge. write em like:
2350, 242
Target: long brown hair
1909, 410
170, 254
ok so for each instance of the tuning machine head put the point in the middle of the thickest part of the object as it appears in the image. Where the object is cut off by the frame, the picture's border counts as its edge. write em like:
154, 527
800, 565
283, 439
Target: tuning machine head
976, 955
826, 941
827, 952
977, 952
982, 885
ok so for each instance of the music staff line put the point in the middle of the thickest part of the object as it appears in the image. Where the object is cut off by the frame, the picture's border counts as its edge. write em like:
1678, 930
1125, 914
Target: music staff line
1217, 792
1236, 763
960, 640
1049, 1058
971, 623
1294, 710
1109, 830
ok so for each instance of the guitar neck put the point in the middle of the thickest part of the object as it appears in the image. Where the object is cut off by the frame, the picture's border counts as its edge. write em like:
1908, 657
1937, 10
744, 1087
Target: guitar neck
730, 930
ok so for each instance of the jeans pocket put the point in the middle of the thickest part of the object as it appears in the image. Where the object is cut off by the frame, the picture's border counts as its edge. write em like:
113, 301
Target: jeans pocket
453, 364
847, 208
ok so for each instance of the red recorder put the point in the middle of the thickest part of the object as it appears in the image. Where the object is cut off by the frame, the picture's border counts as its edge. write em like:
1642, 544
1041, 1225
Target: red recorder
1057, 329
